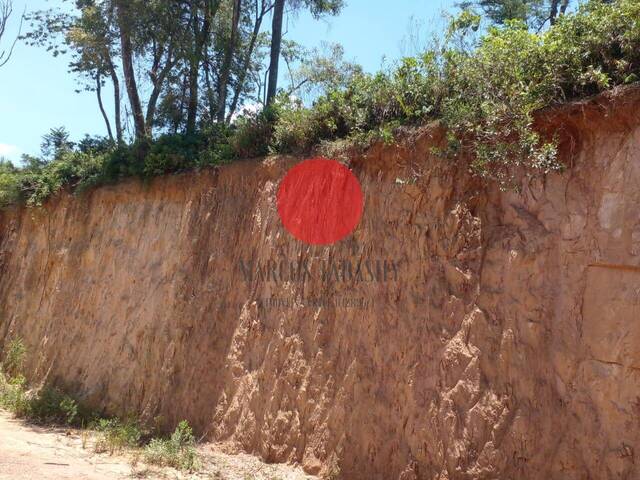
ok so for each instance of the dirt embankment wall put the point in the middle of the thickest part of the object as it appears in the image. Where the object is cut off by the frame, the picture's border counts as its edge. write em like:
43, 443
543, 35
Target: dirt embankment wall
497, 337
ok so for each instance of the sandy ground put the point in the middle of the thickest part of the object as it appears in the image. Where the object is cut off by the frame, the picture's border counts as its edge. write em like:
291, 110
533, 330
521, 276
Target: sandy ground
34, 452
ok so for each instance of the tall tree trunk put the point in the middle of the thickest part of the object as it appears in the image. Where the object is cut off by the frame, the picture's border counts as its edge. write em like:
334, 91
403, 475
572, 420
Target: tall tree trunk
183, 102
101, 105
200, 38
553, 14
192, 108
116, 99
226, 64
158, 81
276, 43
211, 98
124, 14
246, 61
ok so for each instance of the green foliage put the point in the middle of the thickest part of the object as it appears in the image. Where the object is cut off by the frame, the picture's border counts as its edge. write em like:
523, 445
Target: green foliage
75, 169
14, 356
253, 132
299, 128
45, 405
367, 109
56, 143
116, 435
494, 92
51, 405
318, 70
486, 95
96, 161
9, 183
595, 49
12, 381
12, 393
485, 92
178, 451
534, 12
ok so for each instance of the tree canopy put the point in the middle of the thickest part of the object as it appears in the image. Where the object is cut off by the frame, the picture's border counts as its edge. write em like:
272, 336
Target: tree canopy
192, 79
535, 13
175, 65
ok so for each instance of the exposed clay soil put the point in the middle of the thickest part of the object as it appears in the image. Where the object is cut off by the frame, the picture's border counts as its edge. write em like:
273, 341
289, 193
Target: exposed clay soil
507, 346
30, 452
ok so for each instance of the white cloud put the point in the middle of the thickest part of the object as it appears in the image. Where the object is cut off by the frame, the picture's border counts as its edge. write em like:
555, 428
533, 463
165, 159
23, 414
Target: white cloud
8, 151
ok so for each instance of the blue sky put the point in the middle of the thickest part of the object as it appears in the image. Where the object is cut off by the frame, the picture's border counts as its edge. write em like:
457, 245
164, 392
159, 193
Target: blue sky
37, 92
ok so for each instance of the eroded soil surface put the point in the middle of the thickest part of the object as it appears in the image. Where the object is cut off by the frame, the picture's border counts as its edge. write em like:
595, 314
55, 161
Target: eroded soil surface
35, 452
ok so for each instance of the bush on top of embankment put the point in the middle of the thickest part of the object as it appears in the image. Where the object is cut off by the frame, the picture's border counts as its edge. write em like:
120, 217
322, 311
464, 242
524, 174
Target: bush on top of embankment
484, 88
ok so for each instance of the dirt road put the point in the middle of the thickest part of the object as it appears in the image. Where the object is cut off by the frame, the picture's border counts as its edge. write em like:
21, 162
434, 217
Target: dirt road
32, 452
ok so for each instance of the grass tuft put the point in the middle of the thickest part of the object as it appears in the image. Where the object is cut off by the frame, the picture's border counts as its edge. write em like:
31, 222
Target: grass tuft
52, 406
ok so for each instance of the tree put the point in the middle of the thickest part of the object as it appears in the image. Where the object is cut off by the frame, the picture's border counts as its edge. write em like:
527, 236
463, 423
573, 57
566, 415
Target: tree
9, 183
6, 10
160, 44
318, 70
248, 63
225, 71
125, 24
93, 40
56, 143
199, 24
534, 12
317, 8
183, 62
147, 37
558, 7
276, 45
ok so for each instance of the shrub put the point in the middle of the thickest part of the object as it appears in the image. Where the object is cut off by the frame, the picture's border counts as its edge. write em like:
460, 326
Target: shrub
14, 356
50, 405
74, 169
12, 393
116, 435
368, 109
253, 132
9, 183
594, 49
217, 147
178, 451
496, 88
485, 91
44, 405
494, 92
486, 95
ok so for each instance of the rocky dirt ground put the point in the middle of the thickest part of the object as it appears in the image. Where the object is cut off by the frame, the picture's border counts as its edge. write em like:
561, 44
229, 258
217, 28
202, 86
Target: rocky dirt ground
36, 452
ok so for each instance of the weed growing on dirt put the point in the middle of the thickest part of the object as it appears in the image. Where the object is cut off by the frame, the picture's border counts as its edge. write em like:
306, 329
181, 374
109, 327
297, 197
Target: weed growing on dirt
178, 451
14, 357
116, 435
44, 405
51, 405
